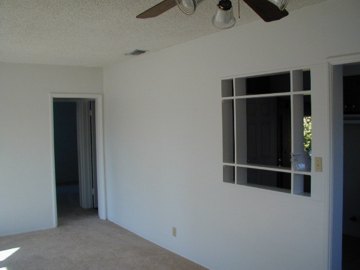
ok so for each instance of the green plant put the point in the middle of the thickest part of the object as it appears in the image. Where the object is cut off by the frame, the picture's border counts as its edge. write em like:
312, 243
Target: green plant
307, 133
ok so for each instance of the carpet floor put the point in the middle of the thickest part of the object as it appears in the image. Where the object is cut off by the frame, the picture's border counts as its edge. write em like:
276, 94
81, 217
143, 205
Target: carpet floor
82, 241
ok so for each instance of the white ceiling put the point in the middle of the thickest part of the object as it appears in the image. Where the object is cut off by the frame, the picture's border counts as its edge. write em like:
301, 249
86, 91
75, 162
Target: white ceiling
100, 32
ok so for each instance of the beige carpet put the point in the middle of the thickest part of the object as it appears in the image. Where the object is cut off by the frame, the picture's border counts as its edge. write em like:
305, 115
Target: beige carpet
82, 241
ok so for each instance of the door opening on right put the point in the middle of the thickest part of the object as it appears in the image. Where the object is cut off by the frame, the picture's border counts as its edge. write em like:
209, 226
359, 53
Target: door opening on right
75, 156
351, 195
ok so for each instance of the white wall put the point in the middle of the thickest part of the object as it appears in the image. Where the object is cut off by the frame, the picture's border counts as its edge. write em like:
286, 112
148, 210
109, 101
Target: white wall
164, 144
26, 197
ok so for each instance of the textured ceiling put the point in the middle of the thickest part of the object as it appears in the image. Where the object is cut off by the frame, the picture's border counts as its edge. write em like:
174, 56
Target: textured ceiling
99, 32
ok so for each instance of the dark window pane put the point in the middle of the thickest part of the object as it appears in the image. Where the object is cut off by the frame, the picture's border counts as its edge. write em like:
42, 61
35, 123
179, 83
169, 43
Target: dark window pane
268, 131
227, 88
268, 84
307, 106
264, 179
307, 184
229, 174
306, 80
228, 131
302, 185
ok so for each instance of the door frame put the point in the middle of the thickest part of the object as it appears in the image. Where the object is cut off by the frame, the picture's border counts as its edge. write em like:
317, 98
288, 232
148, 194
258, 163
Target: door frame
100, 165
335, 65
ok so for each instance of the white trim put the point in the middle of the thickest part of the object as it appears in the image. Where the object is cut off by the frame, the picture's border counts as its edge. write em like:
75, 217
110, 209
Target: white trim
267, 72
52, 163
344, 59
102, 208
334, 252
280, 94
332, 62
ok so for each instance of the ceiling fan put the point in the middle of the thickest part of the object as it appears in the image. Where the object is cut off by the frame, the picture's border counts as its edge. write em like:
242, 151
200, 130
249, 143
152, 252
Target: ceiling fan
268, 10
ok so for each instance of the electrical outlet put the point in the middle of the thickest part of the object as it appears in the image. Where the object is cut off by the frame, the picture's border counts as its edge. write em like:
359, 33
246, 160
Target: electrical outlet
174, 231
318, 164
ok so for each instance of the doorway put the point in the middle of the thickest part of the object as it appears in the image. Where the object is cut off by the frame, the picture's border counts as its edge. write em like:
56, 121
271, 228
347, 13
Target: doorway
351, 179
345, 179
75, 155
77, 158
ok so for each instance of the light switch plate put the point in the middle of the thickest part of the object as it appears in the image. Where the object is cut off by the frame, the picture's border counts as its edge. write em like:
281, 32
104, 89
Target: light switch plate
318, 164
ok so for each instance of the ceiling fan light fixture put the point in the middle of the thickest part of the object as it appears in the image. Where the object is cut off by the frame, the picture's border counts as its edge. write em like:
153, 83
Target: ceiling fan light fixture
187, 7
224, 16
281, 4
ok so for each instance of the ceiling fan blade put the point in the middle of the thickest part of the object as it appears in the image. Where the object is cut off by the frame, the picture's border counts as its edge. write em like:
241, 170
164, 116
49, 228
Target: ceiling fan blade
266, 10
157, 9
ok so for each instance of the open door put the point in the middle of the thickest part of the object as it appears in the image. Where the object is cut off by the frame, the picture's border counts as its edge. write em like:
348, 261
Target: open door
87, 153
351, 180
